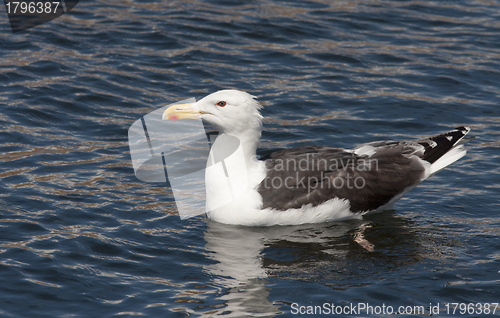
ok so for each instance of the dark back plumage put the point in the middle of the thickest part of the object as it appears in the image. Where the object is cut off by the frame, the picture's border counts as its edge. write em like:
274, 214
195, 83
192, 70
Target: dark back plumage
368, 180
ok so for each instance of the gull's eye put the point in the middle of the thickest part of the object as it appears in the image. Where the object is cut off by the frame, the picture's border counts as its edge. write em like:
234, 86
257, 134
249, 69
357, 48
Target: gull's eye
221, 103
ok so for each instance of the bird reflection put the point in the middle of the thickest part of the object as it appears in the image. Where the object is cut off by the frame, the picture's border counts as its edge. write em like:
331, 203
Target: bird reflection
336, 254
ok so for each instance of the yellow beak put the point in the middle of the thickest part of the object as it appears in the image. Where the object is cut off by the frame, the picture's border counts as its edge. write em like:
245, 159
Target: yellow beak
181, 111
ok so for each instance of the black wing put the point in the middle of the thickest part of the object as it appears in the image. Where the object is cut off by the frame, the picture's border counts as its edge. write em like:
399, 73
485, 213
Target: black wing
315, 174
369, 177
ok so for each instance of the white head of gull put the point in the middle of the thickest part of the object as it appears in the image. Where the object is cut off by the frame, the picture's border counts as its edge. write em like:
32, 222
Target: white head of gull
314, 183
232, 112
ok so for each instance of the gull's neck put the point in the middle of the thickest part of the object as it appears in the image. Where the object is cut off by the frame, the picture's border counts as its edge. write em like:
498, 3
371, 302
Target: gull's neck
249, 140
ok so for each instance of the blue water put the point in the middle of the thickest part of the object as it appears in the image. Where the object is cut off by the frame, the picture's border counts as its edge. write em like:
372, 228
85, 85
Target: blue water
81, 236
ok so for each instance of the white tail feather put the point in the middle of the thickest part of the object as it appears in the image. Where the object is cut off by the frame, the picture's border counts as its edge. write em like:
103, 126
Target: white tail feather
448, 158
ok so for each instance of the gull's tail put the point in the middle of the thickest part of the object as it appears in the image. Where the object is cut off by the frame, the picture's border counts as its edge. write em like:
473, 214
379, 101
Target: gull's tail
443, 150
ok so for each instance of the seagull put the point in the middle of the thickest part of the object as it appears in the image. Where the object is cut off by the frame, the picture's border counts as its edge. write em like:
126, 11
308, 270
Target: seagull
310, 184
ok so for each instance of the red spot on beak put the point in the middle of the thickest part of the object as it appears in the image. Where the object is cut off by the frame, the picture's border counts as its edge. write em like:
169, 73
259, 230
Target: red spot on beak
173, 117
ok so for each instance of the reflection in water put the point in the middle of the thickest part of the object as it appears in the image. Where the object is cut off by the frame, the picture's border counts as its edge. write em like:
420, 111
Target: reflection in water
237, 252
247, 259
